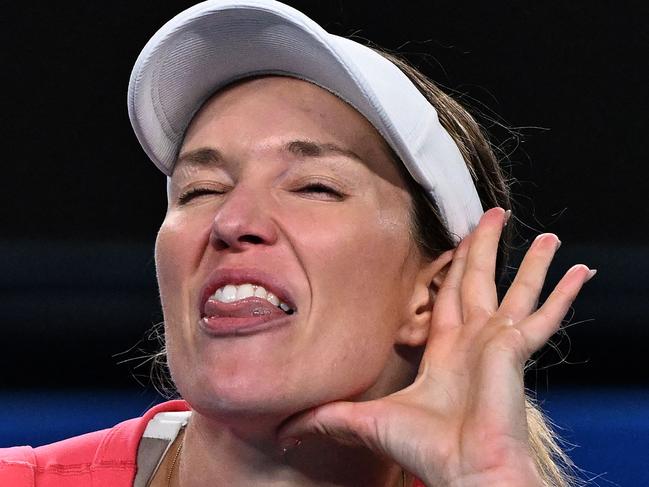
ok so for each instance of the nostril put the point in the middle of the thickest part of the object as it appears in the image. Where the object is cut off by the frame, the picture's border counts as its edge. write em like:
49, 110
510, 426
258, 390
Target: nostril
219, 244
252, 239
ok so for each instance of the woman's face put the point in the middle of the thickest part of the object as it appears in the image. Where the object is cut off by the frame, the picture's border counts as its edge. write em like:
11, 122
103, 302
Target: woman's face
280, 184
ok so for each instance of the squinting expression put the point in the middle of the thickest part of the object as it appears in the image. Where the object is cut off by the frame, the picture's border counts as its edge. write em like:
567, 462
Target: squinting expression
282, 188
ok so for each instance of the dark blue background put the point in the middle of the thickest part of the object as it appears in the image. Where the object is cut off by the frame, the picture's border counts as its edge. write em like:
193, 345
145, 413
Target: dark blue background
606, 430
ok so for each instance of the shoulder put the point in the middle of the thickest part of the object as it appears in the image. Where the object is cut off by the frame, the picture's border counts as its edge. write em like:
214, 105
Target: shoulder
105, 458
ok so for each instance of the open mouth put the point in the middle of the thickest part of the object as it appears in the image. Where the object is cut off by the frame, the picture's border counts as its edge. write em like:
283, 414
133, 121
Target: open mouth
231, 293
240, 308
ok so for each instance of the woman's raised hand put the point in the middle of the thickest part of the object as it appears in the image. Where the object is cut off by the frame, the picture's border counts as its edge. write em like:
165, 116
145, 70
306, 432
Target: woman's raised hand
463, 421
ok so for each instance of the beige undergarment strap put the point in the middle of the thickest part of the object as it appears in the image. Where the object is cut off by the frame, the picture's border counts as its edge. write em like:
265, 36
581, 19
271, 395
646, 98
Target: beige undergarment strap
160, 433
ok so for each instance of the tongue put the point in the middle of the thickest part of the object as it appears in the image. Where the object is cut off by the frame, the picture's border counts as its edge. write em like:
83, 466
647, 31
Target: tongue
241, 309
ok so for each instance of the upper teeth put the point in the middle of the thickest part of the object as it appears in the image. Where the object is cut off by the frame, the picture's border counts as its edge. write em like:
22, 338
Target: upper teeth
231, 293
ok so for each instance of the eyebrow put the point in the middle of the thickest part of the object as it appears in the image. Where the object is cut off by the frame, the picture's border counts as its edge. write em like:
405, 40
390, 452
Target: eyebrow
308, 148
207, 156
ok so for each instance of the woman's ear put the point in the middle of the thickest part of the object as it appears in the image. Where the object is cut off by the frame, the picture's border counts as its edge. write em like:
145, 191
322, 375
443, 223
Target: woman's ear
416, 324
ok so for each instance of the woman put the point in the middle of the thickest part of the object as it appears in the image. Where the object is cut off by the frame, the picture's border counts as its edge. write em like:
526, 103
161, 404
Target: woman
326, 273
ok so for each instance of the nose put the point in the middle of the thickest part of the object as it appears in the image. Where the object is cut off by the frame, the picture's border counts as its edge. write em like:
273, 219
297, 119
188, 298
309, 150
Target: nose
242, 221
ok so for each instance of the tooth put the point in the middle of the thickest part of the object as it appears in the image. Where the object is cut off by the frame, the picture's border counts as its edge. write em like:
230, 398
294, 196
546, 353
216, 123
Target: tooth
245, 291
229, 294
260, 292
272, 299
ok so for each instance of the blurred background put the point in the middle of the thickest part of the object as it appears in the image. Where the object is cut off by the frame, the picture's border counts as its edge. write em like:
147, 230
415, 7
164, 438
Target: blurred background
561, 86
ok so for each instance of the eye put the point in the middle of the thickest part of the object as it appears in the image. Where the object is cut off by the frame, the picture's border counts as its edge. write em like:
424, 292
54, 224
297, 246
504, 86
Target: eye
321, 191
192, 193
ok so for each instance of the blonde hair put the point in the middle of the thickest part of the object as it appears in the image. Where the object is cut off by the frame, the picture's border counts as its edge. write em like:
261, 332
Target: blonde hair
432, 237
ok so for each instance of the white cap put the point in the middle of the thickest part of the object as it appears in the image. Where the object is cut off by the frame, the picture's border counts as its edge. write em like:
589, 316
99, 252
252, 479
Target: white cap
216, 42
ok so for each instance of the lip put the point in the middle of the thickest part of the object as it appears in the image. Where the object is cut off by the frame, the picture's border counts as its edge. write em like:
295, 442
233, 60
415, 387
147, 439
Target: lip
234, 327
221, 276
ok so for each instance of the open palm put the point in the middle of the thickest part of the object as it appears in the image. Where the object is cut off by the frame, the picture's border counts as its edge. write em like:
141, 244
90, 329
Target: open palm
463, 420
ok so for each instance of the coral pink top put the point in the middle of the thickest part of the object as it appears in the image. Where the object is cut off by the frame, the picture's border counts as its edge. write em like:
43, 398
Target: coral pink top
106, 458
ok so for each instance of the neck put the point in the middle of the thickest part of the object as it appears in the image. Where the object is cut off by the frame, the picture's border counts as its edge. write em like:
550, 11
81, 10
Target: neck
234, 453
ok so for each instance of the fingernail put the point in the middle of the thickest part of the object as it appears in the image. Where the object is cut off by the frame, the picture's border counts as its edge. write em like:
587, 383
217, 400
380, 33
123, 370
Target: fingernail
543, 235
506, 217
591, 274
288, 444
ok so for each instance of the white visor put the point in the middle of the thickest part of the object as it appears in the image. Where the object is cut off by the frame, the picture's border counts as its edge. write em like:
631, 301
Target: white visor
216, 42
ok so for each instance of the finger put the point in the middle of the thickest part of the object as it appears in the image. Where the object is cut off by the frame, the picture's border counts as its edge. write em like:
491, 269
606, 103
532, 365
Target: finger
478, 290
344, 422
392, 430
522, 297
501, 390
541, 325
447, 311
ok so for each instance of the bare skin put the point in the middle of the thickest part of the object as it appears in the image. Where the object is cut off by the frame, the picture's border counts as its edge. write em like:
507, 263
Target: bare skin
462, 422
336, 376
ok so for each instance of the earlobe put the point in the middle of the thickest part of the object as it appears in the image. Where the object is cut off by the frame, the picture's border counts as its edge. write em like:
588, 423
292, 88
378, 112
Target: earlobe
416, 324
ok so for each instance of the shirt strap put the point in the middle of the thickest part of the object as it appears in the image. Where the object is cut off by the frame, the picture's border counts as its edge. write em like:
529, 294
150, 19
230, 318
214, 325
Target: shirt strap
160, 433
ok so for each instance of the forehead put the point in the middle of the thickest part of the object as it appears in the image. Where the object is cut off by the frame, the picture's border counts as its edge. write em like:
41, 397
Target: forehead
274, 97
274, 110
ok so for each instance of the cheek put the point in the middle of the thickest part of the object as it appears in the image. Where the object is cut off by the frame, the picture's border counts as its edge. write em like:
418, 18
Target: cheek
360, 254
355, 266
179, 246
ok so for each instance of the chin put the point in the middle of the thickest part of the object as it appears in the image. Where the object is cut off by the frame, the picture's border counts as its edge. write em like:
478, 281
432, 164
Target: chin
265, 398
260, 376
230, 394
233, 385
222, 402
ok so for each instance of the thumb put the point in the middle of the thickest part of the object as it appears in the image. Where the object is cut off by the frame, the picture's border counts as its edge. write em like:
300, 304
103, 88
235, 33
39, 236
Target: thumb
348, 423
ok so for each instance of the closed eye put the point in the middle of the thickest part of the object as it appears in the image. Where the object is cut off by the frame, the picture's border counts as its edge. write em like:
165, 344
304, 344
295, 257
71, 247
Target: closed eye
321, 191
193, 193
